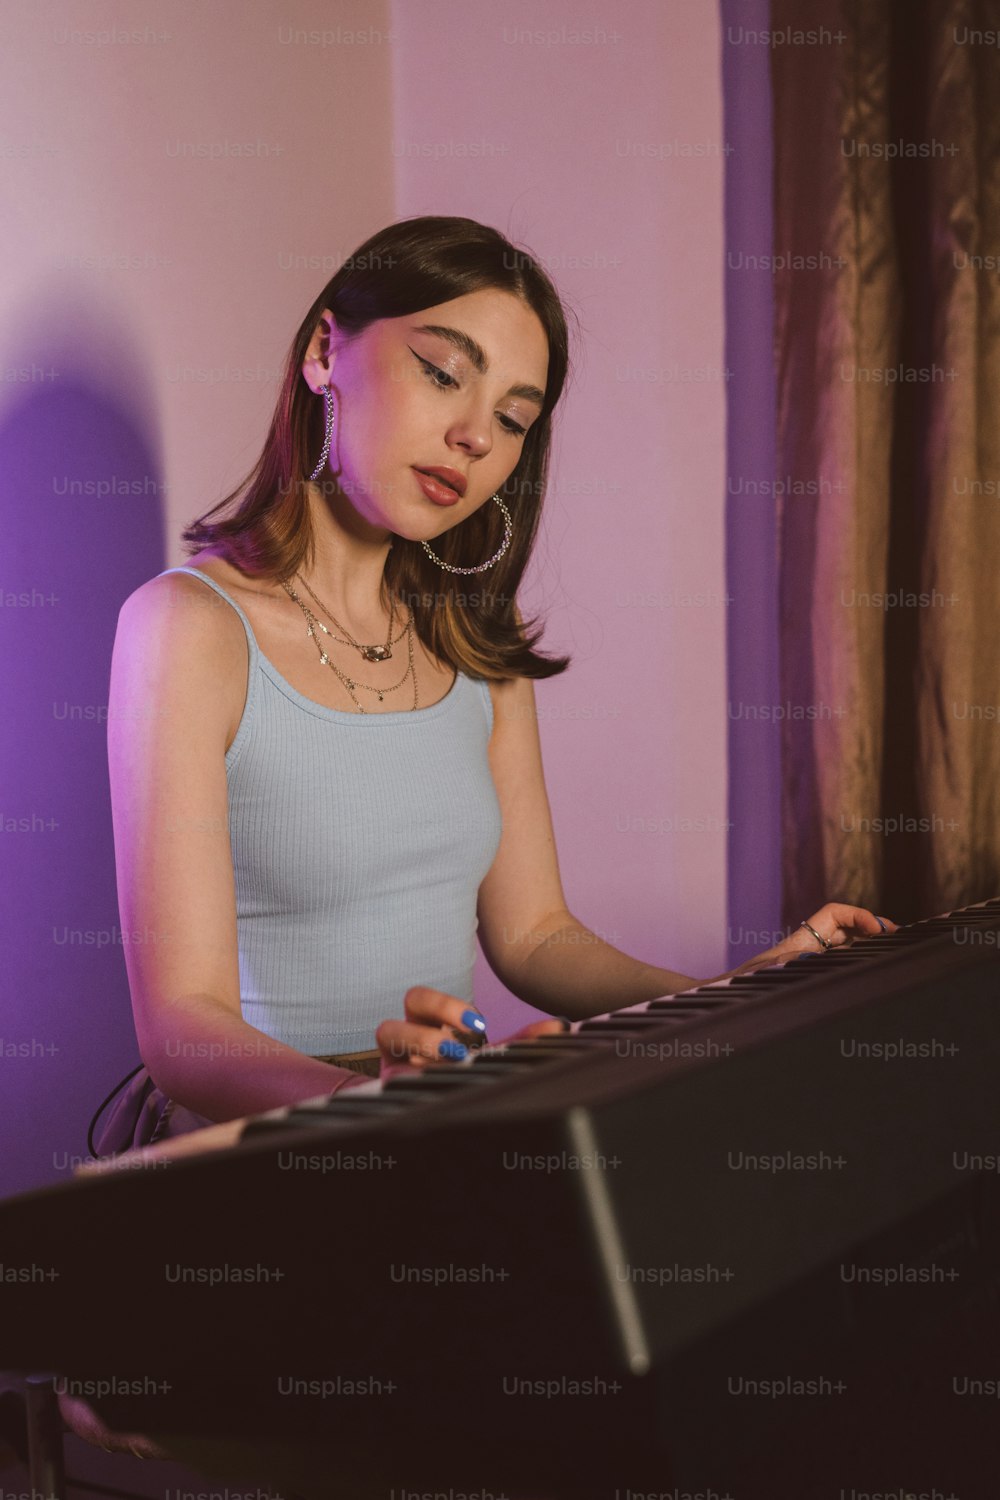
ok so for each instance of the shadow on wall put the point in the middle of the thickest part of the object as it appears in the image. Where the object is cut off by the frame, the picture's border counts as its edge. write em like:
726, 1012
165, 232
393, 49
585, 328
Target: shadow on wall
81, 514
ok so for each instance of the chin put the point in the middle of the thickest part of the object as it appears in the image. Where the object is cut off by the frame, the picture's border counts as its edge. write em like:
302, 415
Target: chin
424, 529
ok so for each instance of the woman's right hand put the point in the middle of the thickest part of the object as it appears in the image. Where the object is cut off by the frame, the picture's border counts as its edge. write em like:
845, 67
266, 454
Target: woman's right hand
435, 1019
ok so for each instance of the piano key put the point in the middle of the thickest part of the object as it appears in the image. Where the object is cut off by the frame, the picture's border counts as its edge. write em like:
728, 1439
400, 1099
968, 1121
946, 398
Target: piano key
444, 1078
530, 1054
705, 1007
335, 1110
708, 1001
644, 1021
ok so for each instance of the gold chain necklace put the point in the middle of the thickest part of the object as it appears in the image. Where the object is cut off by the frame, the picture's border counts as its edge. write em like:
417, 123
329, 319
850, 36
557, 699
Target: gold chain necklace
349, 682
370, 653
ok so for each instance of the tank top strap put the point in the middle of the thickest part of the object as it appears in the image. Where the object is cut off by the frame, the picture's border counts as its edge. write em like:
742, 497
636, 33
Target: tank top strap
197, 573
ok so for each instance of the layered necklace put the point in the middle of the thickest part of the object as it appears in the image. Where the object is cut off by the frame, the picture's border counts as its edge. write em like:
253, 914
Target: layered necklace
368, 653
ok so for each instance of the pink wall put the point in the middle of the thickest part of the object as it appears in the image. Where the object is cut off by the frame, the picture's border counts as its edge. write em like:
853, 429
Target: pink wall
235, 154
180, 181
592, 134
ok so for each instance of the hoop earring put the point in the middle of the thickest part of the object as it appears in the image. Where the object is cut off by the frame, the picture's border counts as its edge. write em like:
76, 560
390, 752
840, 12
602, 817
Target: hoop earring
328, 434
508, 533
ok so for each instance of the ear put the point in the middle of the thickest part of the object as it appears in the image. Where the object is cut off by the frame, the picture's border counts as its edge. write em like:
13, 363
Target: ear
318, 362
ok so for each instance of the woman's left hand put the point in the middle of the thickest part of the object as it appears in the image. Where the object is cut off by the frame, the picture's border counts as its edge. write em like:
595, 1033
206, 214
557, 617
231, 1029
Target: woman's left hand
837, 923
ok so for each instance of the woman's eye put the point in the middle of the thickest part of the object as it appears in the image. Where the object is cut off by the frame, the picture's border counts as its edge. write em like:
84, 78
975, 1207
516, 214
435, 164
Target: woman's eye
446, 381
432, 370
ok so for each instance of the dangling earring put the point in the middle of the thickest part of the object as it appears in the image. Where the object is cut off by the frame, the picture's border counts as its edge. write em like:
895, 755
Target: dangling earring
508, 533
328, 395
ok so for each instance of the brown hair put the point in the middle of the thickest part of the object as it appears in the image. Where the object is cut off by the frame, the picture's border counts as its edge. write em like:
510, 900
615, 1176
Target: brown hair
408, 266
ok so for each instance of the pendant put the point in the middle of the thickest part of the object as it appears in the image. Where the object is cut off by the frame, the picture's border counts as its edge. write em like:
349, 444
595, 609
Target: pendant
376, 653
380, 698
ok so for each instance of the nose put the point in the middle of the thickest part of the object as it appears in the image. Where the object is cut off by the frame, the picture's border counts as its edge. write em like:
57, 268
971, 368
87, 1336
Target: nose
472, 434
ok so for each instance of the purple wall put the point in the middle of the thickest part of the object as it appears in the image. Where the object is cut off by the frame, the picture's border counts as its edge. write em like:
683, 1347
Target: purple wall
78, 449
140, 266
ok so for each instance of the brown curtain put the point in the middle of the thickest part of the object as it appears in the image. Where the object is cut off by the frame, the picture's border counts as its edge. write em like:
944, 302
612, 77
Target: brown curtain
887, 349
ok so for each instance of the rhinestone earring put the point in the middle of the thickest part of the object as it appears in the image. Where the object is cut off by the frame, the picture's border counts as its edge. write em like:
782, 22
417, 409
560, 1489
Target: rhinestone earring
508, 533
328, 434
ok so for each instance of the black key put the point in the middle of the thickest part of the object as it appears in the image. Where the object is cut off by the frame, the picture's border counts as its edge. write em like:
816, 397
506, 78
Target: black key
692, 1002
442, 1078
327, 1115
773, 976
368, 1104
553, 1046
521, 1055
634, 1022
687, 1007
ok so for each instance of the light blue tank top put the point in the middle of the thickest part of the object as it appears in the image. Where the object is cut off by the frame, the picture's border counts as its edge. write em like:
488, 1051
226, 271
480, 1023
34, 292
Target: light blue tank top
359, 842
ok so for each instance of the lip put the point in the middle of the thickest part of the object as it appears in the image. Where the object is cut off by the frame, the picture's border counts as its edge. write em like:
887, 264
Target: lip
449, 476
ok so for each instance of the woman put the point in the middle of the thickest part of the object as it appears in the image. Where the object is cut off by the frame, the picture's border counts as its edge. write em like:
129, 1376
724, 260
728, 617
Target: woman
325, 767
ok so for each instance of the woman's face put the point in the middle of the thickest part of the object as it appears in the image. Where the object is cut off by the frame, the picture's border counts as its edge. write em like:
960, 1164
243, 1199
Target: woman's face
410, 398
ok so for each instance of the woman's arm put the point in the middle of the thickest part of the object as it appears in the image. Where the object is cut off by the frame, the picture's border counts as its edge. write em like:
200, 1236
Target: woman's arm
570, 971
169, 715
533, 943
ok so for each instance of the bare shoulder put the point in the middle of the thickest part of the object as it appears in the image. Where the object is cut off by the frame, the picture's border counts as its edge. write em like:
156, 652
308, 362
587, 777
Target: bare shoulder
186, 611
188, 641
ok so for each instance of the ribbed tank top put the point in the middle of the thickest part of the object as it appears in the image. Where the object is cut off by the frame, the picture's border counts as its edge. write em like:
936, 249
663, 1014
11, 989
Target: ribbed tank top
359, 842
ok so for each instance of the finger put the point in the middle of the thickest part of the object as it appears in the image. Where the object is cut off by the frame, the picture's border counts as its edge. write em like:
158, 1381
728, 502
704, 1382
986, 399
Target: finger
465, 1019
866, 922
466, 1022
406, 1042
421, 1003
839, 923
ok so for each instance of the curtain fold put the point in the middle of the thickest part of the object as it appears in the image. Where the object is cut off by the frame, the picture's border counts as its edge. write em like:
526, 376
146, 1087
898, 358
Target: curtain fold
887, 352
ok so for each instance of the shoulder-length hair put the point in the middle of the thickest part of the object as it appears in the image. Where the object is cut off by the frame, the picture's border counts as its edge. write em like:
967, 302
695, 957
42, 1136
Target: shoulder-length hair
473, 627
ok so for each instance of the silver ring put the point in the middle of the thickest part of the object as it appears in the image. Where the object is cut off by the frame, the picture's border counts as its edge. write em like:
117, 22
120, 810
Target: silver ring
134, 1449
881, 923
818, 936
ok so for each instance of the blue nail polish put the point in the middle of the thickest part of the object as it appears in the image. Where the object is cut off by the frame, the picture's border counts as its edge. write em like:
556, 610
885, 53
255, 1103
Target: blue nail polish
473, 1021
453, 1050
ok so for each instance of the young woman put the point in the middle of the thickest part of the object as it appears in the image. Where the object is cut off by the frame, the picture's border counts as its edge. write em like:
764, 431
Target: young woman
324, 755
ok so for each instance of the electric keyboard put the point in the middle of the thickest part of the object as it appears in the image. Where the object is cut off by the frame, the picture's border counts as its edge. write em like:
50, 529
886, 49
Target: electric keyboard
742, 1238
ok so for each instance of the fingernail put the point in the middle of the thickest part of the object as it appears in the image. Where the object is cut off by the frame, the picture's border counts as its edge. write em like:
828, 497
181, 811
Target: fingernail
473, 1021
453, 1050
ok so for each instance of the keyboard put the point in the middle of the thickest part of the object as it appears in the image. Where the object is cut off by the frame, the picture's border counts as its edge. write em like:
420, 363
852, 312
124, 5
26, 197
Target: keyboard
745, 1238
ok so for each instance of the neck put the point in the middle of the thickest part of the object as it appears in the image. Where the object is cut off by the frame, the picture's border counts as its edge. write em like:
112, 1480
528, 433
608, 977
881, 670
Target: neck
348, 562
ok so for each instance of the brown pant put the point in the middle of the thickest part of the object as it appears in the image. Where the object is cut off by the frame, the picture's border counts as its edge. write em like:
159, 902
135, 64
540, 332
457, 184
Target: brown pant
368, 1063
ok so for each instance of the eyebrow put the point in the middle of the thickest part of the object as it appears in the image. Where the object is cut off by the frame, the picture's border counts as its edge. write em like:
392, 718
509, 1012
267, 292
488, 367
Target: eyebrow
476, 355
